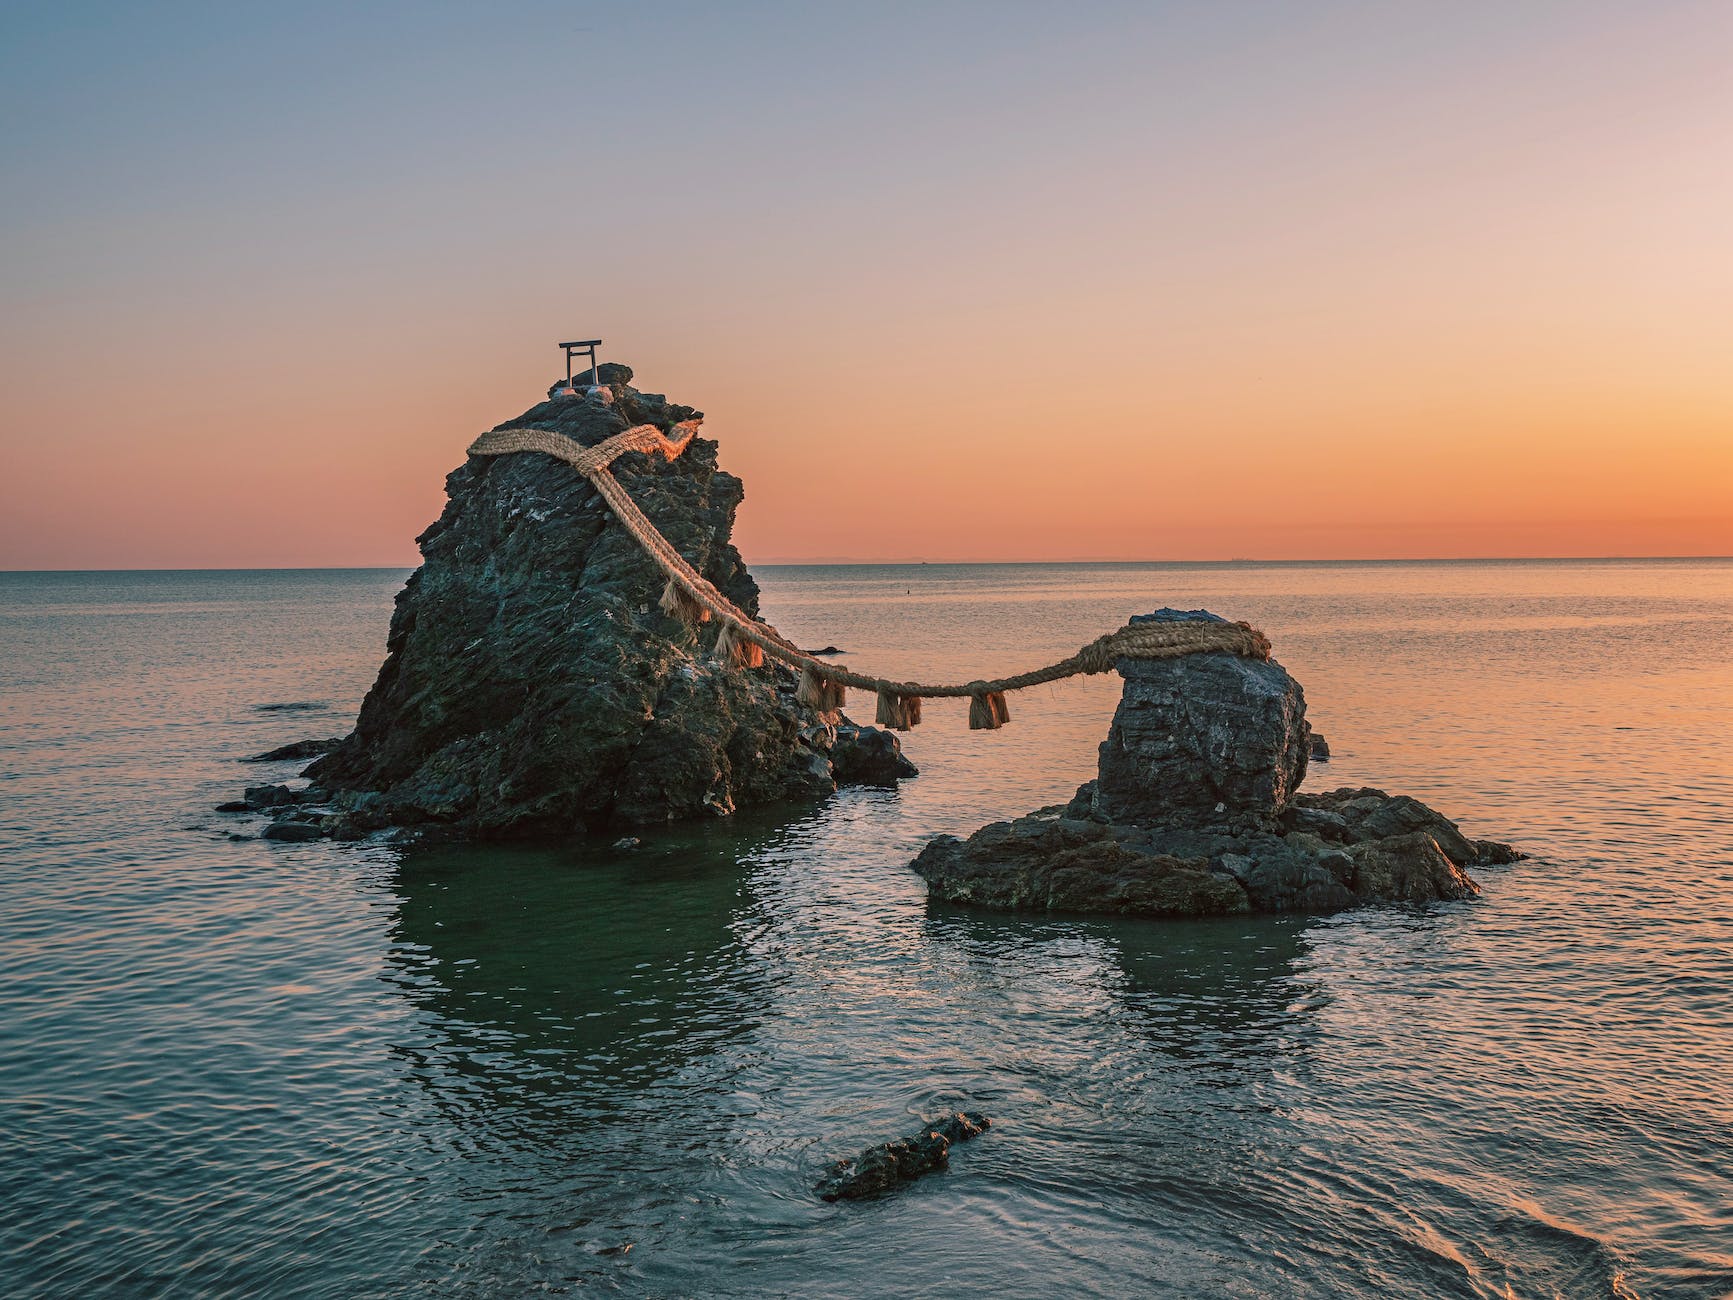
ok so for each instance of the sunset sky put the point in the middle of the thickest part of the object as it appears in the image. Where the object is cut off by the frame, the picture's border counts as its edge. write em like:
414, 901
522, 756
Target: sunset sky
954, 281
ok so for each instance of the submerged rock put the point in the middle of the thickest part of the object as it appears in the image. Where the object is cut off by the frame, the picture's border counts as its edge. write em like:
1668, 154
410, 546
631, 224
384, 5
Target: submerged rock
1194, 813
292, 831
532, 685
889, 1165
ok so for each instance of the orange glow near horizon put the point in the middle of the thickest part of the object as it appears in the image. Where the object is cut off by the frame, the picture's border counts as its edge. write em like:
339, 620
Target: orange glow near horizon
1414, 298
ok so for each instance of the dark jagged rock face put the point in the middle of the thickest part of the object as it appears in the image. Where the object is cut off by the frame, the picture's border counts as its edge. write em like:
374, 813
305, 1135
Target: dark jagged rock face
1205, 740
1194, 813
869, 756
532, 686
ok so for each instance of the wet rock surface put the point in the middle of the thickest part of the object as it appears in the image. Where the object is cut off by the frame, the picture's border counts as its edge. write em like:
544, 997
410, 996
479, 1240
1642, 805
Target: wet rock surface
1051, 862
532, 686
1195, 813
869, 756
291, 831
1203, 740
887, 1166
268, 796
295, 750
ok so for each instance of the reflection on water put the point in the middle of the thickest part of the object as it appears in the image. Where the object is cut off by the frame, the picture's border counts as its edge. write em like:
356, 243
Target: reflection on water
243, 1068
590, 969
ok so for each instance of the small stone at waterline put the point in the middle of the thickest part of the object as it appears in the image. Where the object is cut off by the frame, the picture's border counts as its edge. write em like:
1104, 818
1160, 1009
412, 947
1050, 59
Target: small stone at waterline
869, 756
297, 749
291, 832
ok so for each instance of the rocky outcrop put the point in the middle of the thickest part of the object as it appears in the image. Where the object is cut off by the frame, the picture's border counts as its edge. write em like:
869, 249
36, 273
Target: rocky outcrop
1194, 812
295, 750
1048, 861
1203, 740
532, 686
889, 1165
869, 756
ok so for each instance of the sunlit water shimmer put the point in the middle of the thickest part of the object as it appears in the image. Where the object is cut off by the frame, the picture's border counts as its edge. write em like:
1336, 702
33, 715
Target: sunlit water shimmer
309, 1070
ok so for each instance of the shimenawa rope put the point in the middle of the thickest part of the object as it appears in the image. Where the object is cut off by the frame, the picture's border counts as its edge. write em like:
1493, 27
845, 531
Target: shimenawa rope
745, 641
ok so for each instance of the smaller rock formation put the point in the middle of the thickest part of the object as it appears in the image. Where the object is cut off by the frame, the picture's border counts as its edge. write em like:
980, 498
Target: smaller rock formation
1204, 740
1194, 812
868, 756
888, 1165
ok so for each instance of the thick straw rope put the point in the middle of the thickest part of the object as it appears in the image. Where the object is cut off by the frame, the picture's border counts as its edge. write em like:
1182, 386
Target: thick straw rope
1133, 641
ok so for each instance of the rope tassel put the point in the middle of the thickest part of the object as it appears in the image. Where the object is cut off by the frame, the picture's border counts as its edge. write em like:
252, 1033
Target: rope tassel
679, 603
819, 692
987, 711
897, 711
736, 650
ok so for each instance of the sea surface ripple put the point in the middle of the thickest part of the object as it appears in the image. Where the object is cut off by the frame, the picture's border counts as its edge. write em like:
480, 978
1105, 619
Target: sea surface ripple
232, 1067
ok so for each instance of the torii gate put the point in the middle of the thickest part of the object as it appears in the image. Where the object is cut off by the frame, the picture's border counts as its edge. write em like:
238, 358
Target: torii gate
585, 347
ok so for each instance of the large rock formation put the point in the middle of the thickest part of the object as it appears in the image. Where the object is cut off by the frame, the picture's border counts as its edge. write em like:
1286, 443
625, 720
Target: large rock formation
532, 687
1194, 812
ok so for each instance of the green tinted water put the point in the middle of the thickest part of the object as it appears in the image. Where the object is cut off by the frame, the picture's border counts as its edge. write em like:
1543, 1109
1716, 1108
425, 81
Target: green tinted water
239, 1068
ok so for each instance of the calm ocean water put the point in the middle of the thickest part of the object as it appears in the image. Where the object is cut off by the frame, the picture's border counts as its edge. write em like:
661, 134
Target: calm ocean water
242, 1068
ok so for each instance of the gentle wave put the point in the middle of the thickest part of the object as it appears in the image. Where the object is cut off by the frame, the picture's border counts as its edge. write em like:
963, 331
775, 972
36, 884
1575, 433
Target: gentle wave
239, 1068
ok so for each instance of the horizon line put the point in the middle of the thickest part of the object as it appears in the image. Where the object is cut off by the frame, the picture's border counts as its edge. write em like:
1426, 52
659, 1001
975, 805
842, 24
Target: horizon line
829, 562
